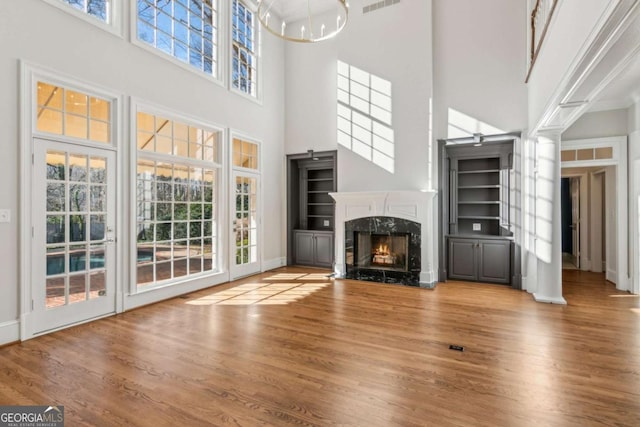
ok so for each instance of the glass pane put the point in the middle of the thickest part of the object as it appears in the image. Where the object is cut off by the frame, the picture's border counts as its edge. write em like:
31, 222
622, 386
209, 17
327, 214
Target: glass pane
97, 285
164, 145
180, 230
49, 96
98, 225
181, 149
75, 126
195, 150
55, 260
98, 131
145, 253
180, 268
98, 170
78, 225
163, 271
195, 265
77, 197
77, 288
145, 234
98, 198
75, 103
100, 109
146, 122
49, 121
97, 257
55, 229
55, 197
163, 251
163, 231
145, 274
77, 168
55, 292
146, 141
77, 258
56, 169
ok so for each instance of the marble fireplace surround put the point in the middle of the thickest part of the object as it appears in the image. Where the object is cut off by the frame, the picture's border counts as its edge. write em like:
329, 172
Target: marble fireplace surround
414, 206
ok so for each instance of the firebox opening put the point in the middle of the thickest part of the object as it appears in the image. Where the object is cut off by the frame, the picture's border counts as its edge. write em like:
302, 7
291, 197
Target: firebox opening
382, 251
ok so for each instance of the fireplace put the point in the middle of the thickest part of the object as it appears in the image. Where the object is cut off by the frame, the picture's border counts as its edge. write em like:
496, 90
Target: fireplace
402, 220
382, 251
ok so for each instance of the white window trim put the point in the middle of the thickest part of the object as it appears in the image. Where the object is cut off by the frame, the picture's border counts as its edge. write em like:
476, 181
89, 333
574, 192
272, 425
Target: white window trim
30, 74
134, 296
221, 35
116, 16
251, 4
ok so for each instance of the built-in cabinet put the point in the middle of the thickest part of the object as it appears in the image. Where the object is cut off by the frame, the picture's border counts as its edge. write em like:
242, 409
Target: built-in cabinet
476, 209
311, 211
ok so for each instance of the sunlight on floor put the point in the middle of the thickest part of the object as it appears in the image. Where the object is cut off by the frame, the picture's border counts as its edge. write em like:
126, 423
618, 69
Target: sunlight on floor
624, 296
266, 293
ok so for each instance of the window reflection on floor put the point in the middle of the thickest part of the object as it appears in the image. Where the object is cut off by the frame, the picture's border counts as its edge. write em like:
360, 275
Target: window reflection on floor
279, 293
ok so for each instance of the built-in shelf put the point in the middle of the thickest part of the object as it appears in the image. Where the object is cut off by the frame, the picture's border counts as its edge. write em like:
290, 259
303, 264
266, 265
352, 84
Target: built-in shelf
492, 202
471, 187
478, 217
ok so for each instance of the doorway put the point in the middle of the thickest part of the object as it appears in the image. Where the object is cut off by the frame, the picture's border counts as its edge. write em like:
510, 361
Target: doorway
73, 260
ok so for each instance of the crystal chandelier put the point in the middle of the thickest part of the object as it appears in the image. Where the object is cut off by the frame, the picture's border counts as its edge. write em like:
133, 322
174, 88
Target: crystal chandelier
304, 21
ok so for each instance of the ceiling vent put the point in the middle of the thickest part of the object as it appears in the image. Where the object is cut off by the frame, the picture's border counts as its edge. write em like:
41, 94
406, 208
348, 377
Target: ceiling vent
379, 5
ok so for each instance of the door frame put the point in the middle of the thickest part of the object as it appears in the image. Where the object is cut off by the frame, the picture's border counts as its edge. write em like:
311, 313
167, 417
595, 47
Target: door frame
618, 144
257, 173
29, 76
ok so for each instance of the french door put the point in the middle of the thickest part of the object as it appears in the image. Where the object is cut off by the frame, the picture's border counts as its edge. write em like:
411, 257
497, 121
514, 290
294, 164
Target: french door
245, 236
73, 249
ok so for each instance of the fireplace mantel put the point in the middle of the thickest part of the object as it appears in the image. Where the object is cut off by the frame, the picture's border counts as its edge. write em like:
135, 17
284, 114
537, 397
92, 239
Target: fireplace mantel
411, 205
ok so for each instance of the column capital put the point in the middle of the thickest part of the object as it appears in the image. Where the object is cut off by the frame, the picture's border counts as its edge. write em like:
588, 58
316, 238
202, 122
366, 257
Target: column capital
549, 134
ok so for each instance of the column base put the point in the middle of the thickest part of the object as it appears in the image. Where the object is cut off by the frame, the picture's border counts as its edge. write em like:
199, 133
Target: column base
549, 300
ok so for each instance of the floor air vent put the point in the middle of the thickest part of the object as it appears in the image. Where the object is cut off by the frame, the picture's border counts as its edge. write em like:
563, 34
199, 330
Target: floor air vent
379, 5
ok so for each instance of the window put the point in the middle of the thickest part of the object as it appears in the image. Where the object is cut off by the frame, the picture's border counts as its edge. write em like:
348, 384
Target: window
184, 29
100, 9
176, 198
245, 154
66, 112
364, 115
244, 61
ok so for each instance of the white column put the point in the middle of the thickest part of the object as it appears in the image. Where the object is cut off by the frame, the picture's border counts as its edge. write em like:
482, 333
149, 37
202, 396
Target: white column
548, 220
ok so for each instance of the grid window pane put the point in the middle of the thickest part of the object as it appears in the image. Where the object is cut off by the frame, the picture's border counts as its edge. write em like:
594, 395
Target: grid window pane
97, 8
175, 201
66, 112
244, 72
184, 30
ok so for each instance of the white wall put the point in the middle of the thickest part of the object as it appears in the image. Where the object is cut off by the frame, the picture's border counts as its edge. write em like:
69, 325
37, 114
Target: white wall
393, 43
599, 124
36, 32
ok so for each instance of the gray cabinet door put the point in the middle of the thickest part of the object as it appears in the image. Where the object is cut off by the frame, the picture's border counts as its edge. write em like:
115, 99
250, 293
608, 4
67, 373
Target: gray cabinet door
462, 259
323, 250
494, 261
304, 247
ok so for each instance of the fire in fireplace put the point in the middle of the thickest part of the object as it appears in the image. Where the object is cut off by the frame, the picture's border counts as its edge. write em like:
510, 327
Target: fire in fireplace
382, 251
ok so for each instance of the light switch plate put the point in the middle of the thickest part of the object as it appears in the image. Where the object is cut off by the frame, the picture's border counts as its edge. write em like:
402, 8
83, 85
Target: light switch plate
5, 215
326, 223
477, 226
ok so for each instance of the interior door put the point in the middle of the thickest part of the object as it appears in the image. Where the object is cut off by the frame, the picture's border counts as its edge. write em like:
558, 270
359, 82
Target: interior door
575, 220
245, 245
73, 216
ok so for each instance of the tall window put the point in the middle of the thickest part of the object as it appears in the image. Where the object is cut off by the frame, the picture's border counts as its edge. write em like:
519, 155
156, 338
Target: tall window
244, 61
97, 8
176, 188
185, 29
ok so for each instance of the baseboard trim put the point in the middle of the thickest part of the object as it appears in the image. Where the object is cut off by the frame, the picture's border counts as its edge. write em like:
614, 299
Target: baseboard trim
549, 300
272, 264
9, 332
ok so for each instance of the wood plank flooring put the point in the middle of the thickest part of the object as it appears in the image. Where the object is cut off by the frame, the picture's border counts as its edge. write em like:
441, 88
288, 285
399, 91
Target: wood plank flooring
292, 347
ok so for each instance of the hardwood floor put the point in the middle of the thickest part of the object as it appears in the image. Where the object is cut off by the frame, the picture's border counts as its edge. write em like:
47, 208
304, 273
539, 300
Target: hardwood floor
288, 348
